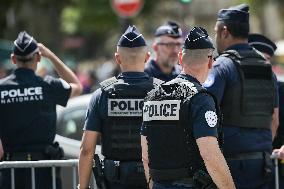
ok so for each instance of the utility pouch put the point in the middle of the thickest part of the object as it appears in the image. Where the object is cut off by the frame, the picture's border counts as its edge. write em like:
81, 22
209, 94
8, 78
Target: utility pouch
111, 170
268, 166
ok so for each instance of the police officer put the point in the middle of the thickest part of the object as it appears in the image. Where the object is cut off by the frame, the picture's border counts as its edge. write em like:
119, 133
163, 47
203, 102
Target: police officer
28, 114
167, 43
267, 48
244, 86
115, 115
179, 133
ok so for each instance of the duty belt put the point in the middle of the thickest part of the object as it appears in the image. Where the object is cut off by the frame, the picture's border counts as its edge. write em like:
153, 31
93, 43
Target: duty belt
244, 156
24, 156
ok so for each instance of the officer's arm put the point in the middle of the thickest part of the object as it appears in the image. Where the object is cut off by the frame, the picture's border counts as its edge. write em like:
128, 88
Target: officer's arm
1, 150
275, 122
88, 148
215, 162
145, 159
63, 71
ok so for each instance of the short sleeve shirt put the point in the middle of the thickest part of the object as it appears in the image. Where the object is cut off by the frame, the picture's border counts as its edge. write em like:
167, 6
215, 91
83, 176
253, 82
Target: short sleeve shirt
203, 114
28, 108
223, 75
97, 110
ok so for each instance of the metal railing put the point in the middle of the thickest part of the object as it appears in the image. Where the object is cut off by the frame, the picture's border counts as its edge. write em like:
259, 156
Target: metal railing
39, 164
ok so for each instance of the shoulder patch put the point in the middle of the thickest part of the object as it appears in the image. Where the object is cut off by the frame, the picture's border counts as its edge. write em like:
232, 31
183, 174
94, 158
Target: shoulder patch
209, 81
211, 118
64, 83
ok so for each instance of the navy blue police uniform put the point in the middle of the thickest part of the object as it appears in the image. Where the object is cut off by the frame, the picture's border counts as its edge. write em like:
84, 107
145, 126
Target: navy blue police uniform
173, 30
115, 111
265, 45
241, 80
180, 110
28, 117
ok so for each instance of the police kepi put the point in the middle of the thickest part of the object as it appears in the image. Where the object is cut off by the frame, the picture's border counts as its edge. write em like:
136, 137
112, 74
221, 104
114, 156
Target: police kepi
198, 38
170, 28
131, 38
25, 46
262, 43
234, 14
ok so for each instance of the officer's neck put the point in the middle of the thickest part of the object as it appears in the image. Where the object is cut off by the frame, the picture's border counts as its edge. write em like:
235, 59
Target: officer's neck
233, 41
197, 73
132, 68
31, 66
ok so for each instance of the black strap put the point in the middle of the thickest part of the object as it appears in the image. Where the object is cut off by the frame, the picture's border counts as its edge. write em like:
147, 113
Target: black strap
244, 156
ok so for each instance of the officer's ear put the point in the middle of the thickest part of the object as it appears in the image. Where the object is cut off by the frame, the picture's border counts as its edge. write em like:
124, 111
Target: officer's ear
117, 58
180, 57
148, 54
155, 46
225, 32
13, 59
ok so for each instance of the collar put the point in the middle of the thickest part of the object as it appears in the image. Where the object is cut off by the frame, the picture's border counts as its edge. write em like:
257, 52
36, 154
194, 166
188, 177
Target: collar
133, 75
188, 77
24, 71
239, 46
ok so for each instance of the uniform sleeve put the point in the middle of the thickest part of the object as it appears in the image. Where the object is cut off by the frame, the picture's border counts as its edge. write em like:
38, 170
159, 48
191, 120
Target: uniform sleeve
93, 120
276, 92
204, 117
143, 130
221, 74
59, 90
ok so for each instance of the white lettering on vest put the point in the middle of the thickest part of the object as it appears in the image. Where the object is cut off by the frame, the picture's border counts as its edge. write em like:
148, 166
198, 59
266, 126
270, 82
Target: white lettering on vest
125, 107
161, 110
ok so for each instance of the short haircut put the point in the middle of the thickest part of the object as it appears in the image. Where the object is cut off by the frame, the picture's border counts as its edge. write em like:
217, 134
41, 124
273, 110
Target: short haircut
132, 55
26, 60
237, 29
196, 56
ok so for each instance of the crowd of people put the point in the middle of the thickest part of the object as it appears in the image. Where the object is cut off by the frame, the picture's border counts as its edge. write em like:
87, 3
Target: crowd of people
183, 120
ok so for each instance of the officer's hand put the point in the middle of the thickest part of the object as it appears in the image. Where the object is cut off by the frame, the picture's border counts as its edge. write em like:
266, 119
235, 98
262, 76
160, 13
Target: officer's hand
44, 50
279, 152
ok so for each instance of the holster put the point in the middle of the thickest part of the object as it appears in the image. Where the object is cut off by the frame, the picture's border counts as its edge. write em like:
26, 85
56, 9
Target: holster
54, 151
126, 173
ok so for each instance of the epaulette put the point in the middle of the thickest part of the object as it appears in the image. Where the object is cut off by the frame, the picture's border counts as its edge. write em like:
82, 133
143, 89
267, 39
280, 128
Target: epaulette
108, 82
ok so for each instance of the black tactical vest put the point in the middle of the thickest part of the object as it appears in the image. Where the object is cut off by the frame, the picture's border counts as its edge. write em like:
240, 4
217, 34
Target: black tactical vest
249, 103
172, 149
121, 129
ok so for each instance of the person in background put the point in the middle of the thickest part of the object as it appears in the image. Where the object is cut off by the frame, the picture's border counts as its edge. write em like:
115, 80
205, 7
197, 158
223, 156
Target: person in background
167, 43
28, 112
245, 88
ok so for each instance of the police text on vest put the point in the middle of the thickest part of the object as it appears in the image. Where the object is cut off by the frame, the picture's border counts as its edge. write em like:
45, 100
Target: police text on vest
125, 107
161, 110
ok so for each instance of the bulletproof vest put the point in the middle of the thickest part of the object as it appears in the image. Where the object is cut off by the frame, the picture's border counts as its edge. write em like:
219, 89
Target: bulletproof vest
249, 102
121, 128
172, 149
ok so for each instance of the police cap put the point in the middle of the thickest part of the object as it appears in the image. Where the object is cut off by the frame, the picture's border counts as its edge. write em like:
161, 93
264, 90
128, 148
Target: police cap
25, 45
170, 28
198, 38
239, 13
262, 43
131, 38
